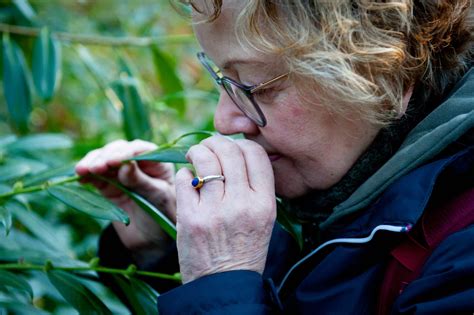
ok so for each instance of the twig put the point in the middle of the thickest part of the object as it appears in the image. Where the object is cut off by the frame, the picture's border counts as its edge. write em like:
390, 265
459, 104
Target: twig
125, 272
98, 40
36, 188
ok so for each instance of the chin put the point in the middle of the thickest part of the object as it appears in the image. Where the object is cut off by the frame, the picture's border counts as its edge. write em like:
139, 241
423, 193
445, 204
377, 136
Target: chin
289, 190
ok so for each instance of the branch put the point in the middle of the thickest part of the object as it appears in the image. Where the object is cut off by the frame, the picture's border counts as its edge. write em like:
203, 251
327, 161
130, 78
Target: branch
30, 189
130, 271
98, 40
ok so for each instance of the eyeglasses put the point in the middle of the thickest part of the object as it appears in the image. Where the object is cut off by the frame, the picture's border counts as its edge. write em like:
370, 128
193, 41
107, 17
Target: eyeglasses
240, 94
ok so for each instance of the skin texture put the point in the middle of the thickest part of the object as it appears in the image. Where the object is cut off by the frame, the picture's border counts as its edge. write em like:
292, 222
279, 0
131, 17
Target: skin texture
311, 148
154, 181
227, 225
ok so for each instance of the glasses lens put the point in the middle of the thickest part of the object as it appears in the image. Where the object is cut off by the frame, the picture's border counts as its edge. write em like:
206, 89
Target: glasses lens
244, 103
238, 95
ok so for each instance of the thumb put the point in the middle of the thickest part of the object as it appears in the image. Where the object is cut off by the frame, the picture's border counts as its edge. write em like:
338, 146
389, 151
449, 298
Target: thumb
130, 175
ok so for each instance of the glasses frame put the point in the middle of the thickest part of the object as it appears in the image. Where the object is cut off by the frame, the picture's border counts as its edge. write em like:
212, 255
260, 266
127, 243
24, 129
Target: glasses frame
247, 89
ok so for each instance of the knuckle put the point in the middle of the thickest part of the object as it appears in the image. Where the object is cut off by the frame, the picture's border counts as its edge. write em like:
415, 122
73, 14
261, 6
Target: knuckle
213, 139
254, 146
182, 176
192, 151
116, 143
143, 143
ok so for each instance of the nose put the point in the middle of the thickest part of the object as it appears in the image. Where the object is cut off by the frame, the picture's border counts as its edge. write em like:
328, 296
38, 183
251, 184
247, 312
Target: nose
229, 119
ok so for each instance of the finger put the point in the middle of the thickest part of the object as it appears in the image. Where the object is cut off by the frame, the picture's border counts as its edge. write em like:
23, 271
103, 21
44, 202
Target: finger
259, 169
157, 169
206, 163
187, 198
231, 160
83, 167
118, 151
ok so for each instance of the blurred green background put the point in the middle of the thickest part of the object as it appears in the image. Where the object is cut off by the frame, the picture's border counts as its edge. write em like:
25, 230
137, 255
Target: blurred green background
153, 42
76, 74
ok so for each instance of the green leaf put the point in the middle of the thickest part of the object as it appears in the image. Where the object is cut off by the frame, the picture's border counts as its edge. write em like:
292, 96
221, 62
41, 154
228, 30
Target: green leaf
46, 64
15, 168
6, 140
152, 211
5, 219
43, 141
156, 214
41, 177
42, 229
169, 80
289, 224
25, 12
141, 296
11, 170
78, 295
11, 280
88, 202
6, 14
16, 85
17, 308
135, 116
176, 154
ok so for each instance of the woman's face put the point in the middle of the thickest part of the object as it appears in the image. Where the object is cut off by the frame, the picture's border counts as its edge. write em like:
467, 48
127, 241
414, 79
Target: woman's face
309, 147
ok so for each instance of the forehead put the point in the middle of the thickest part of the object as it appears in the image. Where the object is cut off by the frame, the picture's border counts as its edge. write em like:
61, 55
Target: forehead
218, 39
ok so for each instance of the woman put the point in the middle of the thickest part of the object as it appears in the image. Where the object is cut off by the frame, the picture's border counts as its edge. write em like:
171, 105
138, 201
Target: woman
358, 115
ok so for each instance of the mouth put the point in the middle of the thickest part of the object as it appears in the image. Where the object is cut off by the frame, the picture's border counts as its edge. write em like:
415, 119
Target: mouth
274, 156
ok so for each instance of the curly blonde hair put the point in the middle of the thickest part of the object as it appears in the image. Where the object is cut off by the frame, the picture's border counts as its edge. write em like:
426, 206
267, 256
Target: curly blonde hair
362, 55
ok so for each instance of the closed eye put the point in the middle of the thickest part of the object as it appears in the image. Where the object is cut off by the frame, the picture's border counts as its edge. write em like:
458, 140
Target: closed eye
265, 95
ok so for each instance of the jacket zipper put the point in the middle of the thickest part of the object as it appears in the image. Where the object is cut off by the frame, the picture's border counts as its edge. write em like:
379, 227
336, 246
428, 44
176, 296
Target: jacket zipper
360, 240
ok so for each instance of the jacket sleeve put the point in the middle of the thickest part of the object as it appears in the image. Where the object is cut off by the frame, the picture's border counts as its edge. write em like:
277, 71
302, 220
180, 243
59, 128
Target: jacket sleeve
235, 292
446, 284
114, 254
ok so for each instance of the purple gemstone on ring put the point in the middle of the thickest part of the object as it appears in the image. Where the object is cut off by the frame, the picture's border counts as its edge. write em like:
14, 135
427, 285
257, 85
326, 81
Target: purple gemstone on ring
195, 182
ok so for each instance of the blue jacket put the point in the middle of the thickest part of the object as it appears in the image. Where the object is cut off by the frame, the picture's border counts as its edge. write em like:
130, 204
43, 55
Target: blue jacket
344, 274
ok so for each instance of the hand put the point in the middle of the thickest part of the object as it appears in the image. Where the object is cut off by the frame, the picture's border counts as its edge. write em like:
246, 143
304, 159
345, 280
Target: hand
225, 225
154, 181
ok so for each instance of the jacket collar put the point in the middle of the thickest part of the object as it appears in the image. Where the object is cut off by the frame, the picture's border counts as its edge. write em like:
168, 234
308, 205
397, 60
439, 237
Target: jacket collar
405, 199
447, 123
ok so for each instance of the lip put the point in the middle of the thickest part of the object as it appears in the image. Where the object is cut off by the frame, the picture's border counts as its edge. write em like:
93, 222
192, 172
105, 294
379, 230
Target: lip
274, 157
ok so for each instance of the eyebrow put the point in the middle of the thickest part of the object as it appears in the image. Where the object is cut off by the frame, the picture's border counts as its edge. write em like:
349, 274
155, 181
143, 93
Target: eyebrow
230, 64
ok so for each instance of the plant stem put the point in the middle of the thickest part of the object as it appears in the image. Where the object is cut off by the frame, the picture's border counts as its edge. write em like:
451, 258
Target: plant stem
124, 272
38, 187
98, 40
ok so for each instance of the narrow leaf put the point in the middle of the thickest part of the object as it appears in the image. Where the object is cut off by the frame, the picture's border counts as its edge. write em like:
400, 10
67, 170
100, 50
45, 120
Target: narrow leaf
16, 84
169, 80
14, 169
11, 280
142, 297
42, 229
176, 154
46, 64
25, 11
48, 174
43, 141
5, 219
18, 308
6, 140
78, 295
289, 224
152, 211
156, 214
135, 115
88, 202
11, 170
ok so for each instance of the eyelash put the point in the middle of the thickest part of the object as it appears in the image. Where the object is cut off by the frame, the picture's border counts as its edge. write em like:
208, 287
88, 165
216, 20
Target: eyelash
265, 95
